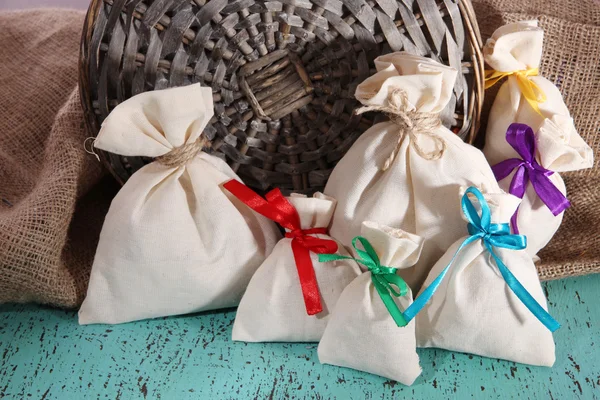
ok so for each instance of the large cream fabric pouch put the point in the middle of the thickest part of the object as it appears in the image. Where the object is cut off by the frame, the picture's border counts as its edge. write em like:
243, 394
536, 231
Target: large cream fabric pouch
274, 308
474, 309
361, 333
173, 241
407, 178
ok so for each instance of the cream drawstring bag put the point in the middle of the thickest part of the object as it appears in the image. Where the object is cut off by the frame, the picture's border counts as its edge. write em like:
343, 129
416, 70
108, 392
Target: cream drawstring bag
484, 296
533, 177
405, 173
515, 51
291, 295
367, 331
173, 241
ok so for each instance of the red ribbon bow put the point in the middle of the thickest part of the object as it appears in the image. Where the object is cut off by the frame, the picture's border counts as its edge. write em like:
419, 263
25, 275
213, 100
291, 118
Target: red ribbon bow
277, 208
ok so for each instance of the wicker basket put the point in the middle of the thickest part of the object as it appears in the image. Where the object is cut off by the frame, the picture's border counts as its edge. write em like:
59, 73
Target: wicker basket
283, 72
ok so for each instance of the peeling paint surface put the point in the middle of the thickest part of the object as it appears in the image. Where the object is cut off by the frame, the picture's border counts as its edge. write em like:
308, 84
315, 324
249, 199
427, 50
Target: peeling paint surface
45, 354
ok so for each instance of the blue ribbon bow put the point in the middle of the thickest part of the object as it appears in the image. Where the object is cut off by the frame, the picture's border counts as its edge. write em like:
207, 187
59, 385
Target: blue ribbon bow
492, 235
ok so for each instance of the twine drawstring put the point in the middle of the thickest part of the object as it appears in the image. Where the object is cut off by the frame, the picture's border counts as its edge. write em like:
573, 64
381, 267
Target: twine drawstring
91, 149
182, 154
173, 159
411, 123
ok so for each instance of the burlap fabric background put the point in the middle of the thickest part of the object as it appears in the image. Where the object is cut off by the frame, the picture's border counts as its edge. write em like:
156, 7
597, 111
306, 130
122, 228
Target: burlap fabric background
52, 196
571, 60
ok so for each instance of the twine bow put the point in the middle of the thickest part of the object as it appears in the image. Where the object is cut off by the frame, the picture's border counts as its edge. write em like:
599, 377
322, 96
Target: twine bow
522, 139
531, 91
492, 235
179, 156
277, 208
411, 123
384, 278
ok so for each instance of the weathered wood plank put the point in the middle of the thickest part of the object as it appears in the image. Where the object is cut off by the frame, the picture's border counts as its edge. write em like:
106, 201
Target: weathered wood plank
45, 354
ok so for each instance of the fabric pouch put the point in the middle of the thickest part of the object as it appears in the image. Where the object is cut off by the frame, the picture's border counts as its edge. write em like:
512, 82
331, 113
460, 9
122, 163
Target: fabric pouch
406, 172
515, 51
532, 177
291, 295
166, 243
367, 330
484, 296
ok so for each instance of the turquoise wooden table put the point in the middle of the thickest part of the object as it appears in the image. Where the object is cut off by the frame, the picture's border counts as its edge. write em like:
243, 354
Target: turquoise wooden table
45, 354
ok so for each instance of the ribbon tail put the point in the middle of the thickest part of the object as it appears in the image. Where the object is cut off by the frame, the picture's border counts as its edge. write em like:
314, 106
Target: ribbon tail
504, 168
518, 184
393, 279
526, 298
389, 303
492, 77
424, 297
308, 279
513, 222
550, 194
532, 93
517, 188
540, 96
335, 257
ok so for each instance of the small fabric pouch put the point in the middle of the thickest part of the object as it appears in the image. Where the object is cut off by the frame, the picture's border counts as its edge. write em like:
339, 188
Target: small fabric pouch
515, 51
367, 330
484, 296
291, 295
534, 179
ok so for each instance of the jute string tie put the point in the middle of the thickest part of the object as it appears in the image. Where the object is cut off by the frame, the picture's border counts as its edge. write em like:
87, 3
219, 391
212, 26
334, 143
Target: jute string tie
182, 154
411, 123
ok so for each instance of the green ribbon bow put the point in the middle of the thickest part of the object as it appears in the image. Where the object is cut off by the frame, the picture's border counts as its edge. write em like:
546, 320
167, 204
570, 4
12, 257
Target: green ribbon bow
384, 278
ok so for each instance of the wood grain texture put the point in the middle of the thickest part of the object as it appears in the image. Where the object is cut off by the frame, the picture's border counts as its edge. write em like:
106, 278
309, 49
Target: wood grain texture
45, 354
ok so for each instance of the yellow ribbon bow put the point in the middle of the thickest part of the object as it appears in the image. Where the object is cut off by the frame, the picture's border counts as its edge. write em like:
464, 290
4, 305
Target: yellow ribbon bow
532, 92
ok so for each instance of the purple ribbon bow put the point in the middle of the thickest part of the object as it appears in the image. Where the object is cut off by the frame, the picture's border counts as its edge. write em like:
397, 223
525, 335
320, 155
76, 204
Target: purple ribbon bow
522, 139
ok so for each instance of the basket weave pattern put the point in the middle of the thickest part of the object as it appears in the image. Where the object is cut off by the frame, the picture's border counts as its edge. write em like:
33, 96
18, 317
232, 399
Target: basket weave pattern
283, 73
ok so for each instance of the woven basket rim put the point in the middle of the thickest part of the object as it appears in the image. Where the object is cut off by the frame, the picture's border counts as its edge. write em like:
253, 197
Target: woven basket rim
93, 124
